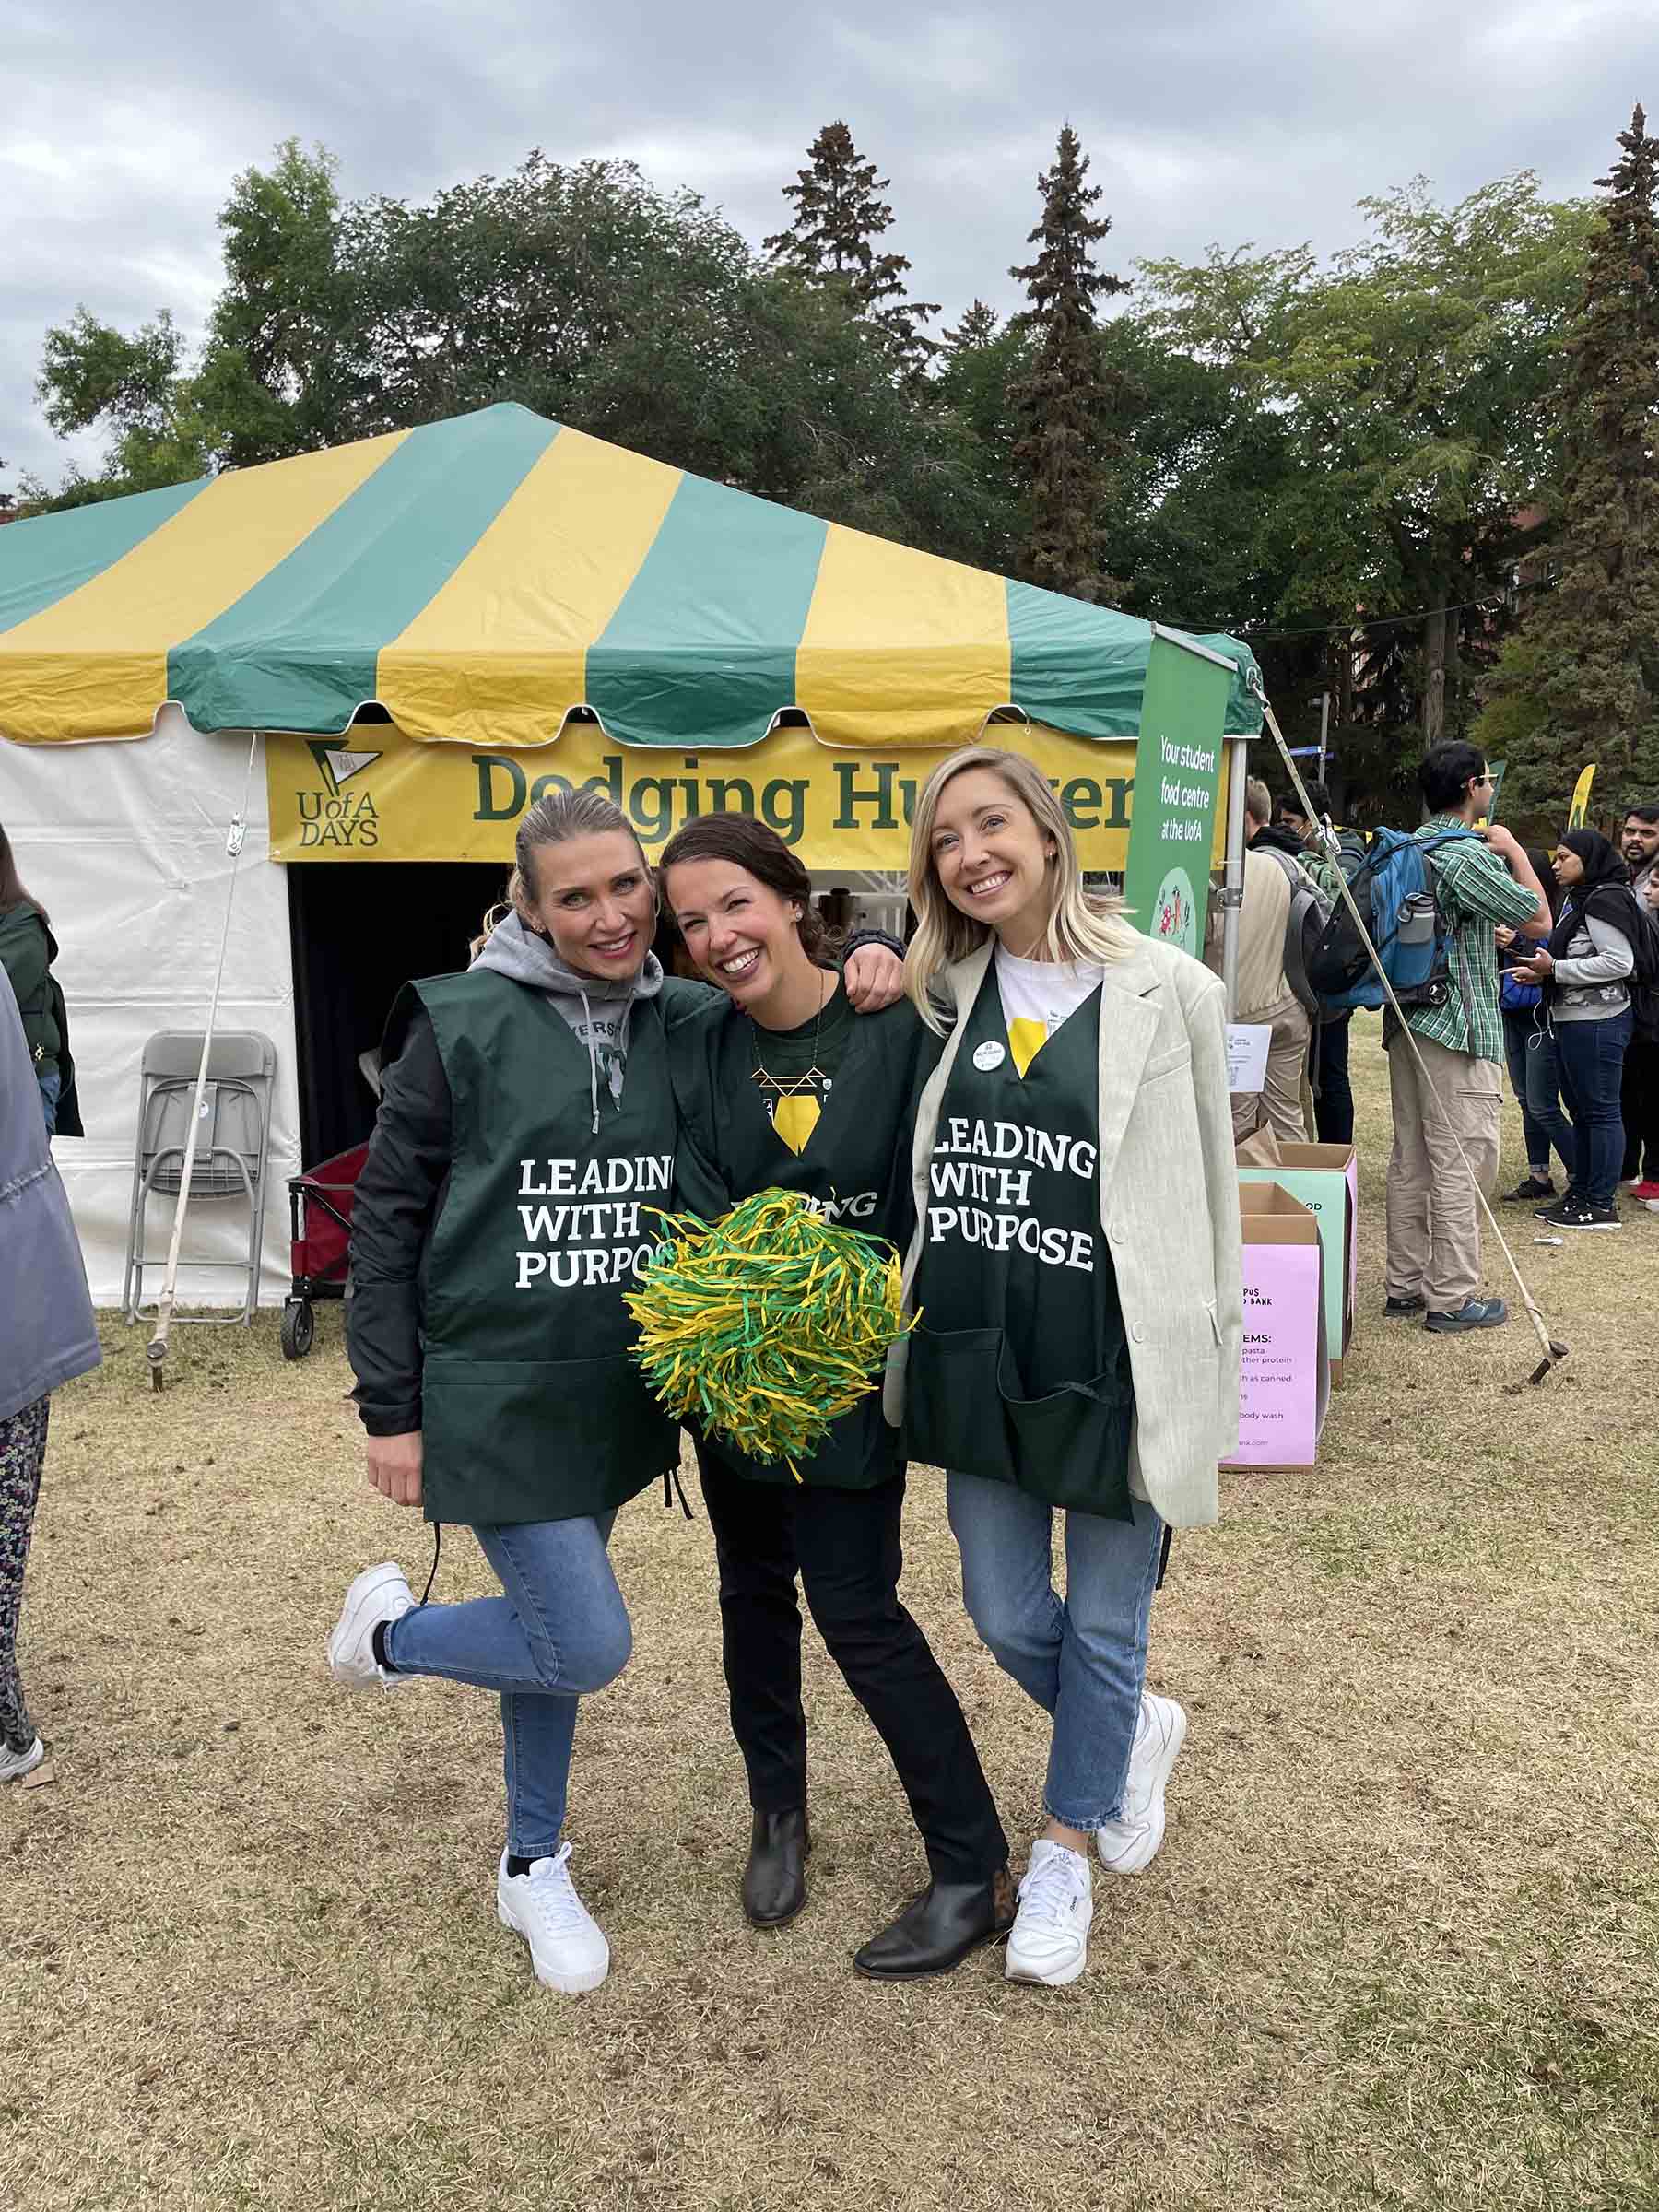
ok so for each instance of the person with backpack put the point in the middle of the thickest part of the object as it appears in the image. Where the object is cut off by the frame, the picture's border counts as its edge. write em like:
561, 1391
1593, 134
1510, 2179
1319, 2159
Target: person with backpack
1264, 996
1446, 1095
1590, 972
1328, 1046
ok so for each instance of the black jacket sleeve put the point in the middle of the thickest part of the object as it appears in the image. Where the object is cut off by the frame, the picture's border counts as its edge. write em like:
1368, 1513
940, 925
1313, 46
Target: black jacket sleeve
399, 1195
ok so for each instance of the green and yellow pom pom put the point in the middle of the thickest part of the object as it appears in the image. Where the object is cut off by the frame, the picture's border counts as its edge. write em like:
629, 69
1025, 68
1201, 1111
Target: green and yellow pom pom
768, 1324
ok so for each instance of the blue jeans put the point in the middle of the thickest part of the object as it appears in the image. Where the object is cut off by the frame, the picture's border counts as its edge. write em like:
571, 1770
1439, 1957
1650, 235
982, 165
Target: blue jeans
1083, 1657
1592, 1060
1536, 1078
51, 1087
560, 1632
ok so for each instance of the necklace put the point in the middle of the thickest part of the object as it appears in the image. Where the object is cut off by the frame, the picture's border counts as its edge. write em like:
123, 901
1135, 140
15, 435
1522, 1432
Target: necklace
790, 1087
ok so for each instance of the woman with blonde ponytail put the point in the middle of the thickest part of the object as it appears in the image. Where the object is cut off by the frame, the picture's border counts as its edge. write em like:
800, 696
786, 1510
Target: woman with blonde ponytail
1075, 1264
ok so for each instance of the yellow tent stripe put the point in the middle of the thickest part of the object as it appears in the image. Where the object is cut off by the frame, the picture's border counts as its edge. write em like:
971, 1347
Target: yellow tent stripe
899, 647
171, 584
499, 654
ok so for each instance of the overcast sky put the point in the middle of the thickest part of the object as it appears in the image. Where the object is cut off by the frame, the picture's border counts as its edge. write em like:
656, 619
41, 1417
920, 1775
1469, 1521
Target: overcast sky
1264, 122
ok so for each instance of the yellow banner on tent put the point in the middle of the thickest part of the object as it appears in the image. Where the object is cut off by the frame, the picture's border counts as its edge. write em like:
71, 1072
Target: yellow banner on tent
1580, 798
377, 794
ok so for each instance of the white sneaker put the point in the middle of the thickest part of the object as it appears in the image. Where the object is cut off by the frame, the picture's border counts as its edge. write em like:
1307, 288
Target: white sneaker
14, 1765
1048, 1940
1130, 1843
378, 1593
567, 1944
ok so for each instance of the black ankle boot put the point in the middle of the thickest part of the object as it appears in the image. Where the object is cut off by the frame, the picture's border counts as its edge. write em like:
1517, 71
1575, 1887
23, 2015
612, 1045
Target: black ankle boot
936, 1933
775, 1881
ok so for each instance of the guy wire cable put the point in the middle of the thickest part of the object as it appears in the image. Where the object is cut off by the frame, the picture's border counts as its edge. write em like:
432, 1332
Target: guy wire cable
155, 1351
1554, 1351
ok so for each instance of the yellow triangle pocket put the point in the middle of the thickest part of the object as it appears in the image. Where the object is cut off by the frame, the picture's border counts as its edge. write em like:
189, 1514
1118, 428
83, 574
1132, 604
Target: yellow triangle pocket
795, 1120
1026, 1039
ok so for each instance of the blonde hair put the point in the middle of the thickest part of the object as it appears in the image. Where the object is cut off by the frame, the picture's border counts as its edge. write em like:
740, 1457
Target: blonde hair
554, 818
1081, 926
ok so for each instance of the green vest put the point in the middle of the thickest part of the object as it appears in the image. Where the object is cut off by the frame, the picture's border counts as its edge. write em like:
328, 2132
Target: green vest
1019, 1367
533, 1409
854, 1162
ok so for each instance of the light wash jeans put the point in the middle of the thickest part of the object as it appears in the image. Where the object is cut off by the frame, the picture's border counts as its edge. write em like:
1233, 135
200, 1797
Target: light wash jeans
1083, 1657
560, 1632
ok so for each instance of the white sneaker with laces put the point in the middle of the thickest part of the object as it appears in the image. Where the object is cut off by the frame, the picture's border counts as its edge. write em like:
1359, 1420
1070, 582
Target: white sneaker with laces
1132, 1841
14, 1765
567, 1944
378, 1593
1048, 1940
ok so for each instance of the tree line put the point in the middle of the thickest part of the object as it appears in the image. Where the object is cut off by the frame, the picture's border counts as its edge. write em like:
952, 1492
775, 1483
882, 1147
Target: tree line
1419, 477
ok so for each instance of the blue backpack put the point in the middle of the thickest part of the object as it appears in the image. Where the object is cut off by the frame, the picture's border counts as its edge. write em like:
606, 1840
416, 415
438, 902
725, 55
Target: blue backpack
1394, 888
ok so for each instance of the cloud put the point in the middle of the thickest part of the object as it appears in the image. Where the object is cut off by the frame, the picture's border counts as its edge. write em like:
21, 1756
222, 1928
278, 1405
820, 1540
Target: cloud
1204, 121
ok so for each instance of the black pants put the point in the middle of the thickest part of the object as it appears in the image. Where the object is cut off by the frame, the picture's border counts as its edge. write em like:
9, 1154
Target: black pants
1638, 1105
844, 1545
1328, 1074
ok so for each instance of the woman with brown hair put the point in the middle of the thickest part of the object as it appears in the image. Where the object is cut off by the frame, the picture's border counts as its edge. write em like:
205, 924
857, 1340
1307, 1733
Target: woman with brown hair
778, 1086
1077, 1266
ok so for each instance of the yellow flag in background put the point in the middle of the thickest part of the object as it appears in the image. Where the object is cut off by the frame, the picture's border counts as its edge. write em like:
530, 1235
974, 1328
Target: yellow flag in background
1580, 798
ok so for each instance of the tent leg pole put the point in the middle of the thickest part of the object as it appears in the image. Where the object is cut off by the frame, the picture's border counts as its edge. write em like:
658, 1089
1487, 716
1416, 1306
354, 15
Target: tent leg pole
1232, 896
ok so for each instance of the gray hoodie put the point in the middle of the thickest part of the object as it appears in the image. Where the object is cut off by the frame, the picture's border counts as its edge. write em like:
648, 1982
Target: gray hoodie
598, 1010
46, 1329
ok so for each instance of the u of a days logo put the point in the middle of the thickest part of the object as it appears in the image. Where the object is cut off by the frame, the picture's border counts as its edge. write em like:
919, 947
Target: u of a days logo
335, 816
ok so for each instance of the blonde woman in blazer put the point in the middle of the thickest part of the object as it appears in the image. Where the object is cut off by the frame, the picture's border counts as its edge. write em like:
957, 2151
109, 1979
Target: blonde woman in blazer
1077, 1264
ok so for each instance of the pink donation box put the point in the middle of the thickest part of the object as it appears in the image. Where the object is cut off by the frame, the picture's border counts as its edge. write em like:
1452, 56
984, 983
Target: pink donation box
1284, 1386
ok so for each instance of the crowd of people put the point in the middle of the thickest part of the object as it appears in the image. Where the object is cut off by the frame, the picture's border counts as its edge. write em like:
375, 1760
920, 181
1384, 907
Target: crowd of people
1544, 955
1030, 1103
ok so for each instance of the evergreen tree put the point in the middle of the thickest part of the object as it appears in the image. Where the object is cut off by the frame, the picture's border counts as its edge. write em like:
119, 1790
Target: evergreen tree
977, 327
1064, 402
838, 218
1580, 681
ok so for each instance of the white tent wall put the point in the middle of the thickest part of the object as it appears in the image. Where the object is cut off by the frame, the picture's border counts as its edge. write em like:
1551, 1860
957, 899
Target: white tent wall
125, 845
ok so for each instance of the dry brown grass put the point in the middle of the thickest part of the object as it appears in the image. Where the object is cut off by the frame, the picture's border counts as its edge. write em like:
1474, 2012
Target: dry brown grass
1400, 1949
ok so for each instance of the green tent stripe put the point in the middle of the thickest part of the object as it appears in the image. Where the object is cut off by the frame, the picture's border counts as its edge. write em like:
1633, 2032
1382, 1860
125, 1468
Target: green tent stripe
43, 561
702, 650
299, 651
1076, 667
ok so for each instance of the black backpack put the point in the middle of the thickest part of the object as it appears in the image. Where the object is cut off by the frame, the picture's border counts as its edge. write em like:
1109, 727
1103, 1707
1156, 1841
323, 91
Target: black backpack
1644, 981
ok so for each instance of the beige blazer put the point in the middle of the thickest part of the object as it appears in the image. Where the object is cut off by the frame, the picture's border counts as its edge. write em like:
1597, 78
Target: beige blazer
1169, 1206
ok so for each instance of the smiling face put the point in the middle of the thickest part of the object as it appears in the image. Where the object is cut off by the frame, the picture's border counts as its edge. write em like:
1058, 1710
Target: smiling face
1568, 867
742, 935
594, 901
992, 859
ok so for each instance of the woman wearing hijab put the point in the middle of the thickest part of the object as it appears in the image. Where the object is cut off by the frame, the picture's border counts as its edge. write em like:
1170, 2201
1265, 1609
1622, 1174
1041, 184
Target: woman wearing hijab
1529, 1048
1586, 968
779, 1087
1076, 1268
47, 1336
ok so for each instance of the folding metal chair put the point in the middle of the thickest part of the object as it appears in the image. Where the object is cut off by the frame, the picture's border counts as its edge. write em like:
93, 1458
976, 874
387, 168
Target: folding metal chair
232, 1147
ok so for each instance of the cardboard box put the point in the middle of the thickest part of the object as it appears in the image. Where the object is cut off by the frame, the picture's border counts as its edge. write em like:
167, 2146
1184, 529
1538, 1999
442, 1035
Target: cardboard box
1285, 1385
1326, 1178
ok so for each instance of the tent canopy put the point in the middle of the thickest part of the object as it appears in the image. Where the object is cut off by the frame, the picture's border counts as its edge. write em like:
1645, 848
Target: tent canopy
481, 579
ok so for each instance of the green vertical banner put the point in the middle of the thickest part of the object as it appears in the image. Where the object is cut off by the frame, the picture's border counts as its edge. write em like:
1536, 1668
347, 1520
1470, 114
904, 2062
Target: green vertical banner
1178, 778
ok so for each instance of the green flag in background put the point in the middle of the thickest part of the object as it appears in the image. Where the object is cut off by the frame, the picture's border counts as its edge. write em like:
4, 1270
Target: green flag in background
1177, 779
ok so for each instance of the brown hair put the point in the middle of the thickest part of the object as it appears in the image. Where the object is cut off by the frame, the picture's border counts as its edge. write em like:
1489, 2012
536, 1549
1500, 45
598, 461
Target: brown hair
12, 892
554, 820
747, 843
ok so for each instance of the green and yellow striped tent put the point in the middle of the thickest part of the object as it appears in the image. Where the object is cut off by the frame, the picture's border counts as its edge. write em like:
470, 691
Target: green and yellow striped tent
481, 579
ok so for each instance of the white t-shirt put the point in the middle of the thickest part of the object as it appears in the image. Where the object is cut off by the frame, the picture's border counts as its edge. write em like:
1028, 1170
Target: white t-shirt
1037, 996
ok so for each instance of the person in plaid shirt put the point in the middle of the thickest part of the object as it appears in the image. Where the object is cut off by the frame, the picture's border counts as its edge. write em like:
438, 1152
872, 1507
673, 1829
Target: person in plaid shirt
1433, 1217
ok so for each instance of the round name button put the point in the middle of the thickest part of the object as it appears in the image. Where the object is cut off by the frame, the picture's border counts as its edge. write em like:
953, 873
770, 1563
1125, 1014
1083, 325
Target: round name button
989, 1056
